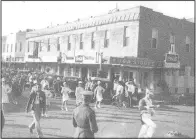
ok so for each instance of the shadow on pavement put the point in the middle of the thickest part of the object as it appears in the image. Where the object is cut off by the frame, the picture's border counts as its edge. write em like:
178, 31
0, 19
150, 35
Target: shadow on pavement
16, 126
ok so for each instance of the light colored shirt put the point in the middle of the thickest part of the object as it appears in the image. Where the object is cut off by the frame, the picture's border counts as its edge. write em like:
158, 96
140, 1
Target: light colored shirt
65, 91
119, 90
130, 87
44, 83
115, 86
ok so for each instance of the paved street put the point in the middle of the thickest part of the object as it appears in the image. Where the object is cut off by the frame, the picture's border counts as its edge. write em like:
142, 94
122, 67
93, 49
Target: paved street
110, 120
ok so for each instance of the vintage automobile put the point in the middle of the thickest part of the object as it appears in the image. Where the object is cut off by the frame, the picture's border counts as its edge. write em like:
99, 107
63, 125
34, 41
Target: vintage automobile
72, 82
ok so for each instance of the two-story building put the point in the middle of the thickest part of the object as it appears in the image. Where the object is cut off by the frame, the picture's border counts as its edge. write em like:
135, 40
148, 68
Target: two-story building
136, 43
13, 49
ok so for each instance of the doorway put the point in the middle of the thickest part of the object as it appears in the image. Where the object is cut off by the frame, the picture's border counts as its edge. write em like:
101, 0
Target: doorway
84, 73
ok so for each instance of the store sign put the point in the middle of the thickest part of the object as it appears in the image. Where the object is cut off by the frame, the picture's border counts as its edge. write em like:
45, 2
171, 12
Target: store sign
171, 58
79, 58
132, 61
172, 65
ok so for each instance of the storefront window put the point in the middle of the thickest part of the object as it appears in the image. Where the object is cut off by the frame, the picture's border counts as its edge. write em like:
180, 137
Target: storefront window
94, 73
68, 71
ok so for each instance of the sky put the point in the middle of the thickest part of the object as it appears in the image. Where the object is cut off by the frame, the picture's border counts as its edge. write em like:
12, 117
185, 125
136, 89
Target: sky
22, 15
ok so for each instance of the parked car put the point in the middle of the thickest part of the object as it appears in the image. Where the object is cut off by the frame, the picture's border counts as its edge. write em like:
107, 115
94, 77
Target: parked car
72, 82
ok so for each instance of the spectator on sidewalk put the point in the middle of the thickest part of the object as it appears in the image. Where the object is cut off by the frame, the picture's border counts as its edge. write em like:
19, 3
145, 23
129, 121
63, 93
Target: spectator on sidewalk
6, 90
84, 118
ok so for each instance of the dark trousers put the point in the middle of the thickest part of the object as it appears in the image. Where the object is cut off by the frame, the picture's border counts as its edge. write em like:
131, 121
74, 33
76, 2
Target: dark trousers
36, 119
130, 99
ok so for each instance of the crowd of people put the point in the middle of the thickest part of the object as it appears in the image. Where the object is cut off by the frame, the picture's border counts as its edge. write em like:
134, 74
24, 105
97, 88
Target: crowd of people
124, 94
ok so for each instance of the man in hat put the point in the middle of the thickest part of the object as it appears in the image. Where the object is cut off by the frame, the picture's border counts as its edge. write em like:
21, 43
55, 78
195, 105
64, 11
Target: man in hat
78, 95
147, 111
84, 118
36, 103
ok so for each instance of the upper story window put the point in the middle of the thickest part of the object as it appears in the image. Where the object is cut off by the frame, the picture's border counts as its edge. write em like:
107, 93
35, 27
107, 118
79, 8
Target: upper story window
3, 47
28, 47
20, 46
69, 44
58, 44
188, 44
15, 47
106, 43
93, 41
172, 43
154, 38
11, 47
48, 45
7, 47
81, 41
40, 46
126, 37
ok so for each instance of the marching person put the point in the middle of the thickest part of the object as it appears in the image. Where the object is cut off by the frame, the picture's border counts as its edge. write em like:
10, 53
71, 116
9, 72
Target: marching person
119, 94
88, 85
98, 94
65, 96
78, 95
84, 118
36, 103
57, 87
147, 111
45, 84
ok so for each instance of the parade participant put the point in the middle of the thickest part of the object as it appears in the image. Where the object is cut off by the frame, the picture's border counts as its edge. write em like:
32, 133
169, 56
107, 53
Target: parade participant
147, 111
5, 91
130, 91
98, 94
84, 118
65, 96
78, 95
36, 103
34, 86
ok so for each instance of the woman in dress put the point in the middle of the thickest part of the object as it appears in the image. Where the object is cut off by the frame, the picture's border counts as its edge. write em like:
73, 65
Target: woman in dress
98, 93
65, 92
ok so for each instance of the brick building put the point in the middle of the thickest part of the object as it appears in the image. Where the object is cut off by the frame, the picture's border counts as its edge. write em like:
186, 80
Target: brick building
135, 43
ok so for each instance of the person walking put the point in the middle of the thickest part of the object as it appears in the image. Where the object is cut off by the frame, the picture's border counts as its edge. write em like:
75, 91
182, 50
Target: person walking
78, 95
84, 118
36, 103
147, 111
98, 94
65, 96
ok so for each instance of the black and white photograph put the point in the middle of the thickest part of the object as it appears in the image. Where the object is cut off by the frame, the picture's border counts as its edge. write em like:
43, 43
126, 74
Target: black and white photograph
98, 69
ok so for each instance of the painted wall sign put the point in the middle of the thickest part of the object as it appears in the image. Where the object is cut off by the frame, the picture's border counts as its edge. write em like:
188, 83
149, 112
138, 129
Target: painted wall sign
172, 58
132, 61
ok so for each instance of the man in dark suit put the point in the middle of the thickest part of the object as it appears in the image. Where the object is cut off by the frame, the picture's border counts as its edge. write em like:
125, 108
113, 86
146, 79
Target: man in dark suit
84, 119
36, 103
